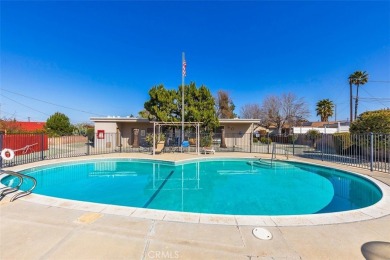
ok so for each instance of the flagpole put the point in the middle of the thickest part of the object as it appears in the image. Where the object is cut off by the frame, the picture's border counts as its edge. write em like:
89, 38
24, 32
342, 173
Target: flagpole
182, 98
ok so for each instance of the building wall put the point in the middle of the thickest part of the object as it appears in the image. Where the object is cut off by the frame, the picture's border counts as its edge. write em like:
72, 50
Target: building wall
235, 133
231, 128
127, 134
322, 130
121, 133
109, 139
108, 127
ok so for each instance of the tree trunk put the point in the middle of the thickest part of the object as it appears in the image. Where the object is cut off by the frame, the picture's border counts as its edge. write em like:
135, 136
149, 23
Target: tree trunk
223, 143
350, 103
356, 100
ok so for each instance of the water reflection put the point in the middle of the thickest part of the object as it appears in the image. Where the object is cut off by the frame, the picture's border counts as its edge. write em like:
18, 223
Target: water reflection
350, 191
221, 187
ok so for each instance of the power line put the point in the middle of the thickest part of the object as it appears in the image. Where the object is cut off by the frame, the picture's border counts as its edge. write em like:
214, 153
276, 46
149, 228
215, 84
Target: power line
372, 96
376, 99
50, 103
18, 116
25, 105
380, 81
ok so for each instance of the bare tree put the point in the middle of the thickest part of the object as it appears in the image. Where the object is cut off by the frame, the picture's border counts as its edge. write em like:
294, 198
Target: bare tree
250, 111
287, 109
224, 105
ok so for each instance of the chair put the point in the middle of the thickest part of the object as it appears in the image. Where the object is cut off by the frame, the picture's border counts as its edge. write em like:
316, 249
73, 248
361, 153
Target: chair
208, 150
185, 144
159, 147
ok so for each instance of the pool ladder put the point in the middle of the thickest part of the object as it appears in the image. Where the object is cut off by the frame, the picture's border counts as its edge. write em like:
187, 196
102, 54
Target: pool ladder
8, 190
273, 155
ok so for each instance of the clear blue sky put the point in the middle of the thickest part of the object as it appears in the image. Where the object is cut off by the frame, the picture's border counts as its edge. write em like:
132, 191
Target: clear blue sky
98, 58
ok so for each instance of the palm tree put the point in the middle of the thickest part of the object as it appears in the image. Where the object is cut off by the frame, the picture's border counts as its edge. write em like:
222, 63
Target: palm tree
358, 78
325, 109
350, 79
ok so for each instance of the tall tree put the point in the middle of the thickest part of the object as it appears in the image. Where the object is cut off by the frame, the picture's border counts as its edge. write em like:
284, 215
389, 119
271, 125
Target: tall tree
324, 109
279, 111
358, 78
143, 113
162, 105
225, 105
58, 124
250, 111
199, 106
350, 80
165, 105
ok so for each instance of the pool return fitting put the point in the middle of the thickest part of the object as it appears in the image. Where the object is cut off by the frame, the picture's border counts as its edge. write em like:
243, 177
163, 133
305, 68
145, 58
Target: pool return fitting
262, 233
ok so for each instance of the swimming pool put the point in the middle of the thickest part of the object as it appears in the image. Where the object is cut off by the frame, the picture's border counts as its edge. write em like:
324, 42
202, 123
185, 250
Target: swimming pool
223, 186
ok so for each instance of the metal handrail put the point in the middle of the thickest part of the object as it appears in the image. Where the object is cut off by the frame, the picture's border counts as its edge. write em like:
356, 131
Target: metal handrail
7, 190
273, 153
20, 176
286, 153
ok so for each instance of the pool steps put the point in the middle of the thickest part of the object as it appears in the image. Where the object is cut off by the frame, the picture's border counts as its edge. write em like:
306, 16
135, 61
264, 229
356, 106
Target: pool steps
269, 164
8, 190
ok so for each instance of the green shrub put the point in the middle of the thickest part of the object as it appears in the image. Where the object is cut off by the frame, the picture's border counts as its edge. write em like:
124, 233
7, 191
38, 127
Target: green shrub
265, 140
206, 140
342, 142
292, 138
91, 134
149, 139
377, 121
313, 136
255, 140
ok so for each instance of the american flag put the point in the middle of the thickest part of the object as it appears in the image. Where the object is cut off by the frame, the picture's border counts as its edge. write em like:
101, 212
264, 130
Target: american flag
184, 68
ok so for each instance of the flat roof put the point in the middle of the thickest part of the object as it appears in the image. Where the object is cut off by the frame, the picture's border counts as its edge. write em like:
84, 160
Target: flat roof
115, 119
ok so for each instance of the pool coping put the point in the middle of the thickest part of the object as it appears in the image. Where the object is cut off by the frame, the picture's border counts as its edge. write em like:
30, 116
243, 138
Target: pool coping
378, 210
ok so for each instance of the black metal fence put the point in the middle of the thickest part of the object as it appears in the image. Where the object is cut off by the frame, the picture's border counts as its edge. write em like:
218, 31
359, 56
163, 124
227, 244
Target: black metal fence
369, 151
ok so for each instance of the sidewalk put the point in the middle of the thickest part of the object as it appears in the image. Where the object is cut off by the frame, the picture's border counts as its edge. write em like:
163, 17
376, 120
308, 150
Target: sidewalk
38, 231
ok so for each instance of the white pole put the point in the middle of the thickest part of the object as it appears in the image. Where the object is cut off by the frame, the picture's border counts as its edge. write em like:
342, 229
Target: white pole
197, 138
182, 98
154, 137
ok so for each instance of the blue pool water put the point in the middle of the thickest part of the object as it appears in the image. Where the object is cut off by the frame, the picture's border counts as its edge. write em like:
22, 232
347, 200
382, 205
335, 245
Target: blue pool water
234, 186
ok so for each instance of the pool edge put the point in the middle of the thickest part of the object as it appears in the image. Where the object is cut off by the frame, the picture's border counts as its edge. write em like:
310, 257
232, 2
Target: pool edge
378, 210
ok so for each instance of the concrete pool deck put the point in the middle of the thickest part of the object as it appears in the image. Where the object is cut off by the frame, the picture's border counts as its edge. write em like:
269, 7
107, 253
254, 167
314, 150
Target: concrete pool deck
37, 227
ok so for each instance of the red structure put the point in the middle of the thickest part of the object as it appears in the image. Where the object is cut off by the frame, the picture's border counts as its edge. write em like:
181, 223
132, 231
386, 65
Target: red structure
25, 143
24, 126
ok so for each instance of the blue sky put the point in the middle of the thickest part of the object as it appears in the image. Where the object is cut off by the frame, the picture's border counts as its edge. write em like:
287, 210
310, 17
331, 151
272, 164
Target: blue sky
100, 58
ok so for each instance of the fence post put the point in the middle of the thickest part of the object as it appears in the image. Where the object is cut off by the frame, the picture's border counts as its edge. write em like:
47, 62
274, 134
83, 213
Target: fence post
371, 151
269, 143
120, 144
293, 139
251, 142
43, 146
322, 147
88, 145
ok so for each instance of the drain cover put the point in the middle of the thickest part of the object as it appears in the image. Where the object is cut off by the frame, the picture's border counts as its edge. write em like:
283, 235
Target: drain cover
262, 233
88, 218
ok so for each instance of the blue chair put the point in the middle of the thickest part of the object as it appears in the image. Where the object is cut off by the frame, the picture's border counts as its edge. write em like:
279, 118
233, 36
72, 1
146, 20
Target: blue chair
185, 144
